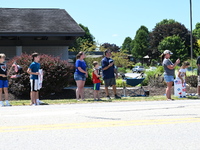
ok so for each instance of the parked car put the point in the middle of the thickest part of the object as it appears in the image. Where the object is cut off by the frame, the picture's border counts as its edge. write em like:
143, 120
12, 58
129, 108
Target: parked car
151, 69
138, 69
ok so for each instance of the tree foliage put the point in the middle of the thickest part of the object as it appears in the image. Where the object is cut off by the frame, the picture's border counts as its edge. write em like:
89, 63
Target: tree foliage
141, 43
170, 28
126, 46
176, 45
121, 59
112, 47
196, 31
84, 43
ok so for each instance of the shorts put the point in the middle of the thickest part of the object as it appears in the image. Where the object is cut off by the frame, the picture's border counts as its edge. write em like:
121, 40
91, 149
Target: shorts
79, 77
34, 85
109, 82
97, 86
169, 78
198, 82
3, 83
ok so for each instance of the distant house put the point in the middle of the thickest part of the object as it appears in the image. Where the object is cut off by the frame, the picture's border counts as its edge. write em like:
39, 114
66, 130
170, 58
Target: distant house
48, 31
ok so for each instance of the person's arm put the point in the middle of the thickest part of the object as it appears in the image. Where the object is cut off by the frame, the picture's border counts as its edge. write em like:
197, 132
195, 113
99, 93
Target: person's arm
96, 73
179, 75
174, 65
107, 67
81, 70
3, 75
33, 73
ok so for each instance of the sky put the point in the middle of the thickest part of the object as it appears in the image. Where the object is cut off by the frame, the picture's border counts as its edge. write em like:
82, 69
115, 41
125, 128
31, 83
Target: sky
113, 20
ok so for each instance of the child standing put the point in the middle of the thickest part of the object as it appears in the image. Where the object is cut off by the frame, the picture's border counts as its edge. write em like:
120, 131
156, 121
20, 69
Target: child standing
181, 75
33, 70
95, 78
3, 81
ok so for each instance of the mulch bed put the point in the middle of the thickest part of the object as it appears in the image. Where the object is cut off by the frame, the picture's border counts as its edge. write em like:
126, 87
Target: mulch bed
70, 93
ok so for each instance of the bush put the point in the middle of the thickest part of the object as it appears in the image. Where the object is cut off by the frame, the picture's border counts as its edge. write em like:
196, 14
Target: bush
154, 78
121, 70
57, 75
192, 80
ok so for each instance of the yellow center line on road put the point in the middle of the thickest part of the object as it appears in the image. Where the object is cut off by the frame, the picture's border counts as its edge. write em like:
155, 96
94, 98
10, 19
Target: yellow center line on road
97, 124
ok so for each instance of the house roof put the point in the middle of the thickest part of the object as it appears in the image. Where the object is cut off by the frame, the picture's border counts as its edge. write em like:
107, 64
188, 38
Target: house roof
25, 21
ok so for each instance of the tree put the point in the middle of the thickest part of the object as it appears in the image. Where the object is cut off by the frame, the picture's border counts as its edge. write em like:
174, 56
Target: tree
112, 47
121, 59
163, 30
176, 45
196, 31
84, 43
166, 21
126, 46
141, 43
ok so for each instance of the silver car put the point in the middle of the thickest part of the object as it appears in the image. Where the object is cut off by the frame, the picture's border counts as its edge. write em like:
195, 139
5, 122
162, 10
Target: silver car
138, 69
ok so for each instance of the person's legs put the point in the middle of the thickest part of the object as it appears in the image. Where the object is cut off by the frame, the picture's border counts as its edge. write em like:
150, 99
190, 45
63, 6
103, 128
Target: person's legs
95, 94
106, 90
114, 89
168, 90
82, 90
98, 95
78, 90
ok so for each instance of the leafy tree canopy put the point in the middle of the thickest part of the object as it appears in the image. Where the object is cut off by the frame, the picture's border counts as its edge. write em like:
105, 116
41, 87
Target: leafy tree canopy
166, 21
112, 47
126, 46
84, 43
176, 45
196, 31
141, 43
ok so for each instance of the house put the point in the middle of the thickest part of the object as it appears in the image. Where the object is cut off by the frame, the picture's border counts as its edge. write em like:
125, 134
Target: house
47, 31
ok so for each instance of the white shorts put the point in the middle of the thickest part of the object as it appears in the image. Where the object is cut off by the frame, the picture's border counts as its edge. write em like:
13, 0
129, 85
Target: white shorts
198, 80
34, 85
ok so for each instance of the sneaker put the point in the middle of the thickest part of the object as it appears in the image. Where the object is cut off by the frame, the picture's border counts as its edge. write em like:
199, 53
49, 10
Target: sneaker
108, 97
117, 97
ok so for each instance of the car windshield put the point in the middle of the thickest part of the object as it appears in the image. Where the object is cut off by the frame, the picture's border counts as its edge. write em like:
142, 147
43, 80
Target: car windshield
141, 67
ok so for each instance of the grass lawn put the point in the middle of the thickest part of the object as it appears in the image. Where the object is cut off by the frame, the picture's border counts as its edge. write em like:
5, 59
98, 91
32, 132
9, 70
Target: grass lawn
73, 101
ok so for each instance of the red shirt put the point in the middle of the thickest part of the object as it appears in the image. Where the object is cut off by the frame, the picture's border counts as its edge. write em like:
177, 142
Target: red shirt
95, 79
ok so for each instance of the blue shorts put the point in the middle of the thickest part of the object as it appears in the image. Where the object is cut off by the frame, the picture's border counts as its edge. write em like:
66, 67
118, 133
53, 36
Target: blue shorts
97, 86
79, 77
169, 78
3, 83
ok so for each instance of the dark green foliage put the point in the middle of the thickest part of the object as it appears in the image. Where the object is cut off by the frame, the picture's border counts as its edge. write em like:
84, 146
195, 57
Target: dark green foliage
176, 45
87, 40
141, 43
57, 75
126, 46
196, 31
171, 28
112, 47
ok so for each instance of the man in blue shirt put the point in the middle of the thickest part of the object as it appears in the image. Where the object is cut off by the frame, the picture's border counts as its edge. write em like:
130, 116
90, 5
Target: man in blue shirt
33, 70
109, 72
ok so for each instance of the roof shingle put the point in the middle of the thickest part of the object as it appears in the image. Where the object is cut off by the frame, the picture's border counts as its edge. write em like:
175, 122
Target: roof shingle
25, 20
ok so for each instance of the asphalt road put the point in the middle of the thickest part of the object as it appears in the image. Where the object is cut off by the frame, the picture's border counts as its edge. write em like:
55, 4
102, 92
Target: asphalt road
163, 125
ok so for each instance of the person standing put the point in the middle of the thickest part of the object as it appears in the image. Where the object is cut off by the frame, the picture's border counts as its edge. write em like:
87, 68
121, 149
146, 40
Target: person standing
198, 74
109, 72
80, 75
169, 71
33, 70
3, 81
97, 82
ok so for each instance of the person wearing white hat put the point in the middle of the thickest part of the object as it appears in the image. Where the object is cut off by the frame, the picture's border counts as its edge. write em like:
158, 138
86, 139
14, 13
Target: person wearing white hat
169, 71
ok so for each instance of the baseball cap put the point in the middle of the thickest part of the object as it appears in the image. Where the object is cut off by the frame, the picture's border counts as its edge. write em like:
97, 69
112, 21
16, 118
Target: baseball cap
167, 52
